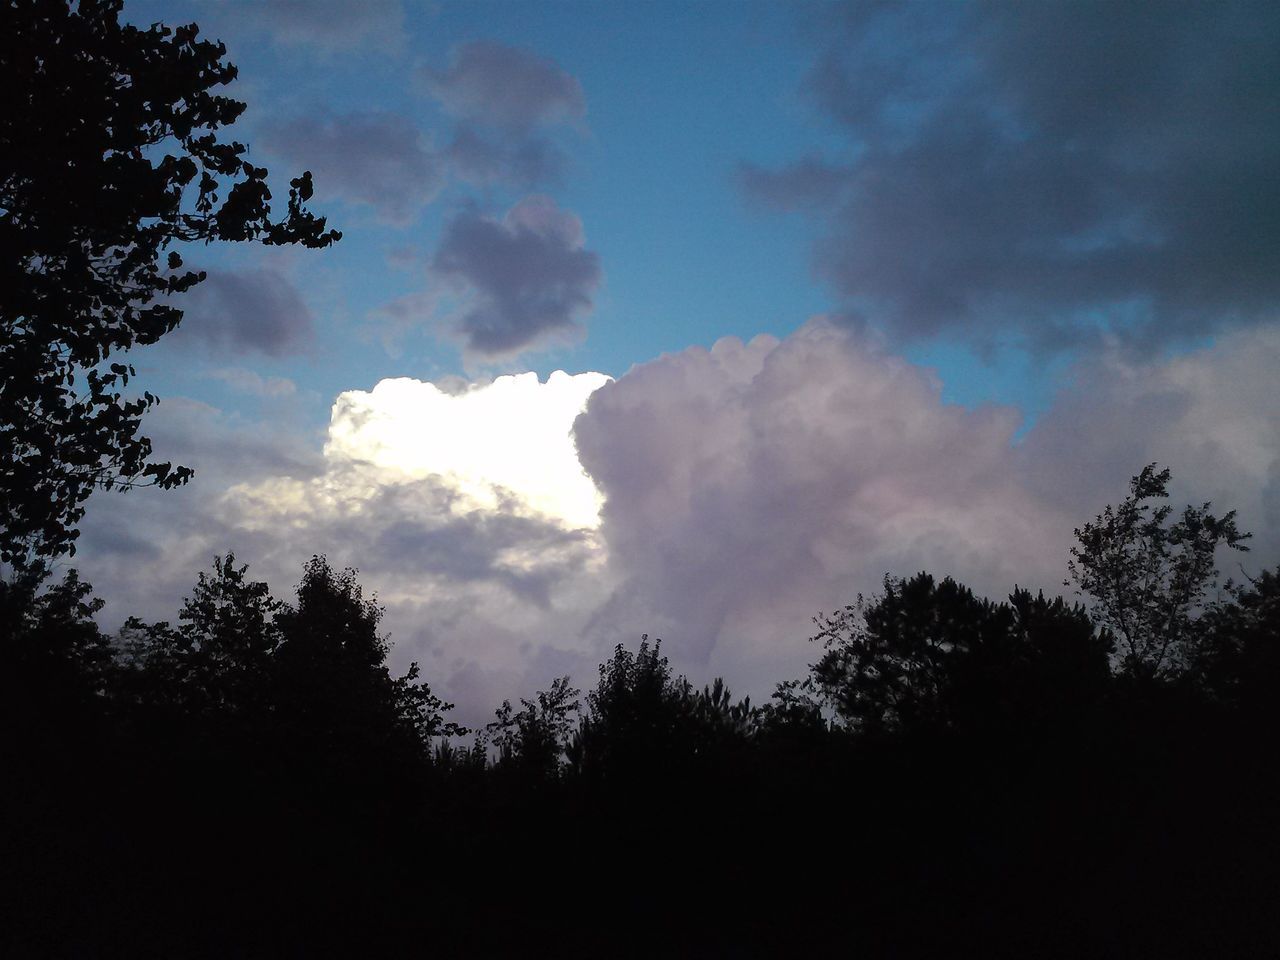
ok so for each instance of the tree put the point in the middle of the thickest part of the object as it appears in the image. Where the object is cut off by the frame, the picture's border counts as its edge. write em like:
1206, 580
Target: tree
928, 654
54, 662
887, 660
533, 739
636, 716
110, 160
1237, 660
335, 693
1149, 578
228, 624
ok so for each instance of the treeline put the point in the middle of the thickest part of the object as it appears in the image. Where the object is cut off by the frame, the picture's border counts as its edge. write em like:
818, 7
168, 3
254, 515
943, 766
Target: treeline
954, 776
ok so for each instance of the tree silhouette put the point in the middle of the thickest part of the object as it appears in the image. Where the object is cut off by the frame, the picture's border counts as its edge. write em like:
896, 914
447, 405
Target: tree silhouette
635, 716
228, 625
1149, 578
534, 738
110, 161
337, 699
1237, 658
54, 661
929, 655
886, 661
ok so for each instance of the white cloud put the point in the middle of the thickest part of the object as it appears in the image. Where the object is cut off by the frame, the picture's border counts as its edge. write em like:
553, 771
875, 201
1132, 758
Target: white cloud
508, 438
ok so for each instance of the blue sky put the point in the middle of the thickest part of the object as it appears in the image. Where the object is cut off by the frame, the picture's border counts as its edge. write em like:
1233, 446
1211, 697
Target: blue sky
881, 288
678, 96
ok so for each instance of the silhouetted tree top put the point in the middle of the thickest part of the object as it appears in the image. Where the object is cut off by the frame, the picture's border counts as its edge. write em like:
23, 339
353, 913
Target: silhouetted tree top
534, 738
1149, 578
54, 662
330, 670
1237, 656
928, 654
110, 159
634, 715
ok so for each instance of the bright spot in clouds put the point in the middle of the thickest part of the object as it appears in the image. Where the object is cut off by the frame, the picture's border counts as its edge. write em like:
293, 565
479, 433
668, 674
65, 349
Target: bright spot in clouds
511, 437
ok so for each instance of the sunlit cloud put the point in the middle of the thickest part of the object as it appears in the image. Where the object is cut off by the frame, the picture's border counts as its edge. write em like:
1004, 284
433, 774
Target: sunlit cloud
508, 439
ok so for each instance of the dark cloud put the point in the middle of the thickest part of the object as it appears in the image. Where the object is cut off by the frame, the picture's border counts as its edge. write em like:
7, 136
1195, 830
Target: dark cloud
523, 279
378, 159
1048, 168
522, 162
506, 87
810, 184
246, 311
508, 102
411, 527
330, 25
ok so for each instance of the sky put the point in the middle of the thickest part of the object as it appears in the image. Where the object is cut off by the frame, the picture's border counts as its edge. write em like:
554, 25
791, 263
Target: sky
697, 319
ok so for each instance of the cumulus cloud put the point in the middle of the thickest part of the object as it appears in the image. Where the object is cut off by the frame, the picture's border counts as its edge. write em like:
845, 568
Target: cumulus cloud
508, 438
246, 311
523, 279
746, 487
751, 485
466, 511
331, 25
375, 158
1040, 170
1211, 416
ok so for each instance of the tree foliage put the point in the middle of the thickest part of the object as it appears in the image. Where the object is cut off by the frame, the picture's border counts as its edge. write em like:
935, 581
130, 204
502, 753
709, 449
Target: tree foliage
1237, 656
1149, 578
228, 626
52, 655
331, 675
111, 161
975, 771
534, 738
926, 654
633, 719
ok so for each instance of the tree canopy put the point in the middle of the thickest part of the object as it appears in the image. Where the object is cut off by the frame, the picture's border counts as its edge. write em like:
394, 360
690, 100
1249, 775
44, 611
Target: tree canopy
954, 775
928, 654
1149, 578
111, 162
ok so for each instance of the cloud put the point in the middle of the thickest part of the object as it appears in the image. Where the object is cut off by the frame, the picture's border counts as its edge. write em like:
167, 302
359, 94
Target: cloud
751, 485
746, 487
1043, 170
331, 25
375, 158
522, 162
465, 510
508, 438
507, 102
524, 279
246, 311
254, 384
506, 87
1211, 416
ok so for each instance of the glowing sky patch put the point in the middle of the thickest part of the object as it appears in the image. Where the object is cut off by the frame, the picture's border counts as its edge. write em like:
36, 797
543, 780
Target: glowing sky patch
508, 438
